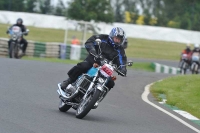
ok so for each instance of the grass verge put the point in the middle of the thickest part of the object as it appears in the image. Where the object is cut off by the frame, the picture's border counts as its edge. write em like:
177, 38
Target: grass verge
56, 60
136, 65
181, 91
137, 48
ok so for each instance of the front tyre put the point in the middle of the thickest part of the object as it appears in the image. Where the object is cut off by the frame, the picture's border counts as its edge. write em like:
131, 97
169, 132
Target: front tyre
87, 104
63, 107
12, 50
183, 71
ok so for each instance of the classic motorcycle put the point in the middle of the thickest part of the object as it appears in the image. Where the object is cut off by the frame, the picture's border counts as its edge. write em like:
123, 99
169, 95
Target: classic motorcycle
15, 38
89, 89
184, 65
195, 63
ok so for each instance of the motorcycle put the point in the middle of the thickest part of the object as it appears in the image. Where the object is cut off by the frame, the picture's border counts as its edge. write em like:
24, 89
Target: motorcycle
184, 64
195, 63
89, 89
15, 37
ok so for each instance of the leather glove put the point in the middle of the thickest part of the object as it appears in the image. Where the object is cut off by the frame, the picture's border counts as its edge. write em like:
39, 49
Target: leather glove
122, 71
98, 59
93, 52
7, 32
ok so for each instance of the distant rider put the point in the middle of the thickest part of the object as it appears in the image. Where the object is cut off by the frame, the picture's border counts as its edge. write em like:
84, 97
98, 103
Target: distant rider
188, 52
23, 41
196, 49
111, 48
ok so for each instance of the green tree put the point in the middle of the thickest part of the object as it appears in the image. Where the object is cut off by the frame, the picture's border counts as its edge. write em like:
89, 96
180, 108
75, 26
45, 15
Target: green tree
13, 5
128, 6
87, 10
2, 5
182, 14
45, 6
119, 14
60, 9
30, 6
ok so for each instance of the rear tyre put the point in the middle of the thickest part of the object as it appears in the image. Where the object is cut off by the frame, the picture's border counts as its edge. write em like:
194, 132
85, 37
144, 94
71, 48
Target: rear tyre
63, 107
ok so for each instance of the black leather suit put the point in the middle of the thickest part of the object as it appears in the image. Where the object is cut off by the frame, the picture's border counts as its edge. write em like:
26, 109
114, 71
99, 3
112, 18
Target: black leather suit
107, 51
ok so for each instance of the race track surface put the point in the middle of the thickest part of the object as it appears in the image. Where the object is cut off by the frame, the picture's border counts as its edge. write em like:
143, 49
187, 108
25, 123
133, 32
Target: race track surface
29, 103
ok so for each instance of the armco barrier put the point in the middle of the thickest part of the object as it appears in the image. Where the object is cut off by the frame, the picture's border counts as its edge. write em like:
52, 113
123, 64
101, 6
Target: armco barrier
39, 49
159, 68
71, 51
84, 53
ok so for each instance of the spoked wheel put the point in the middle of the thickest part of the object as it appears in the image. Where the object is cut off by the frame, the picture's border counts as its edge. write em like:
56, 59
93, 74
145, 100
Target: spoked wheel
86, 105
63, 107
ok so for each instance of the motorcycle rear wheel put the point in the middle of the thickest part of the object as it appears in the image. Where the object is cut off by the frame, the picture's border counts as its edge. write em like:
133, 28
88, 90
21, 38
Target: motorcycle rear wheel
63, 107
87, 104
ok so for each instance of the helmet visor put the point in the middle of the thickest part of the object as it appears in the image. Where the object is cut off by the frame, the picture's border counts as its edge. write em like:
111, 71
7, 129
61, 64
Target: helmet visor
118, 39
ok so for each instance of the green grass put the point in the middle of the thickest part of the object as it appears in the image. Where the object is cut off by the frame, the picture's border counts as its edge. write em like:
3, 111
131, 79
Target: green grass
136, 65
45, 34
145, 66
137, 48
141, 48
181, 91
56, 60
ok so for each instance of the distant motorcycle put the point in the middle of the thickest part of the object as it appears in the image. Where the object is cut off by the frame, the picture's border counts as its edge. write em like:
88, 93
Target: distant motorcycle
184, 64
15, 37
89, 89
195, 63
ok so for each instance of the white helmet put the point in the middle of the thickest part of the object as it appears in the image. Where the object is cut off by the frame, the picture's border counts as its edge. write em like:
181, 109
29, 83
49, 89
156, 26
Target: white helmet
196, 45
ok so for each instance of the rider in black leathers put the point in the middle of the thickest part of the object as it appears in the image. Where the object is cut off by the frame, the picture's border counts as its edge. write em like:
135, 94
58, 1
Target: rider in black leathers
111, 49
23, 29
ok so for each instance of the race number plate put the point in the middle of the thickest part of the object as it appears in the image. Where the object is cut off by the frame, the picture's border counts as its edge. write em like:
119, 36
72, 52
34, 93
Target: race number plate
107, 70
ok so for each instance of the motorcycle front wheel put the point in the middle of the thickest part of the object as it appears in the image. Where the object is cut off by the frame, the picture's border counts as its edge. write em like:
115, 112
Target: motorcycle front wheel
63, 107
195, 69
86, 105
13, 50
183, 71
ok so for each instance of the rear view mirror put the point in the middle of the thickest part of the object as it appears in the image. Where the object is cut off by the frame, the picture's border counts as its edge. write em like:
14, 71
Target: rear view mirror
130, 63
98, 41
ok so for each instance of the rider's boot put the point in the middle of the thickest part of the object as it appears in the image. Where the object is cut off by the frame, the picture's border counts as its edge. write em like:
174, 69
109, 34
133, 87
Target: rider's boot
65, 83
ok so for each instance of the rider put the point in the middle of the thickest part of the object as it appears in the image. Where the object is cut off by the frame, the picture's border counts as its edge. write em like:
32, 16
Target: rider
23, 41
196, 48
110, 47
187, 51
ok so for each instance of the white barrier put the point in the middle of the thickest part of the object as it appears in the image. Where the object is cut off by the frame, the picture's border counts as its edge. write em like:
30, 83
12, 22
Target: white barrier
132, 30
75, 52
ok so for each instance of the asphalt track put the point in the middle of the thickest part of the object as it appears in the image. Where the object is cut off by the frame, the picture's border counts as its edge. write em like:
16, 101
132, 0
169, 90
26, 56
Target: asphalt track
29, 103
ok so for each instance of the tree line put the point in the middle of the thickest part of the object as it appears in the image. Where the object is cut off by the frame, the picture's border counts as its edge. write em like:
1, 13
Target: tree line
34, 6
182, 14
